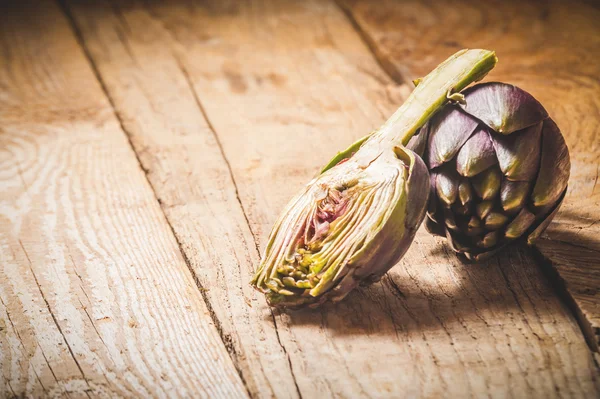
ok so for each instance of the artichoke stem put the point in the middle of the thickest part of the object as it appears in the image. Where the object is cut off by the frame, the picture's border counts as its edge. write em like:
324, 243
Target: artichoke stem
432, 91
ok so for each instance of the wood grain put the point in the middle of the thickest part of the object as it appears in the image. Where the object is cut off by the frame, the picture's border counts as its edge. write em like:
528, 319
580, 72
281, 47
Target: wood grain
281, 86
96, 299
552, 50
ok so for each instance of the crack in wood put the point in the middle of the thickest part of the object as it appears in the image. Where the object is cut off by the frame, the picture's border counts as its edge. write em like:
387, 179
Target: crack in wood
219, 145
55, 320
385, 63
591, 334
237, 195
23, 347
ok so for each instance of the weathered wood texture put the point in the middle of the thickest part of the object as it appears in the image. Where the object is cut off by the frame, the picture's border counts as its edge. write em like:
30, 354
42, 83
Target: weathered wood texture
552, 50
95, 297
231, 107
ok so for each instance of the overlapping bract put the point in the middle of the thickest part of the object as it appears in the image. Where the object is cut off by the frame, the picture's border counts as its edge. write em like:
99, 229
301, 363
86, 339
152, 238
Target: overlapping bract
499, 169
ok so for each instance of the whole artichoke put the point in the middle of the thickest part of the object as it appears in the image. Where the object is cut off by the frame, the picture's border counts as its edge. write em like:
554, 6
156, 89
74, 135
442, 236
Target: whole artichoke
357, 218
499, 169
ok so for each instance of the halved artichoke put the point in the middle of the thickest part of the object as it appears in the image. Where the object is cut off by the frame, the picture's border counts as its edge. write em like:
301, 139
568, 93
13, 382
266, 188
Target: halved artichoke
349, 225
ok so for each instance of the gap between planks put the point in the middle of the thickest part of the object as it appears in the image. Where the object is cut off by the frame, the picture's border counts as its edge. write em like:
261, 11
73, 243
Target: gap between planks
384, 63
247, 221
560, 287
218, 325
53, 316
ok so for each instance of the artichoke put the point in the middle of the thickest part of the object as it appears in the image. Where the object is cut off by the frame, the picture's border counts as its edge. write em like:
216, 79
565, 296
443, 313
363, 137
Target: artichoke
357, 218
499, 169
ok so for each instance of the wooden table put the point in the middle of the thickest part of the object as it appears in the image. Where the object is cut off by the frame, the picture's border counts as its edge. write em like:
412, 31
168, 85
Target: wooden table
146, 148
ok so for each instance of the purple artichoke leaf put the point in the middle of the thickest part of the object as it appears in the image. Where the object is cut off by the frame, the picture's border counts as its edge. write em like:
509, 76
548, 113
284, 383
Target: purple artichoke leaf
432, 203
457, 242
473, 227
545, 221
519, 153
449, 220
487, 183
483, 256
418, 142
449, 129
419, 187
513, 194
495, 220
555, 167
489, 240
476, 155
446, 183
520, 224
465, 192
484, 208
503, 107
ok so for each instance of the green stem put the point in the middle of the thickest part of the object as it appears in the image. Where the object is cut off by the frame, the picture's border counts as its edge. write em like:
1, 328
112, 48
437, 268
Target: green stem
453, 75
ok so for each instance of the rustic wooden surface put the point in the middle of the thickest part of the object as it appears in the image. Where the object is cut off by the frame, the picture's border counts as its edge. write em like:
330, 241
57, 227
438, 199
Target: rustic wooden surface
147, 148
96, 297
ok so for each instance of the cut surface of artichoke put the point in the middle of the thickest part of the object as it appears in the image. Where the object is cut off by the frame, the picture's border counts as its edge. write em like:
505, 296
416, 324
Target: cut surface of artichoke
320, 239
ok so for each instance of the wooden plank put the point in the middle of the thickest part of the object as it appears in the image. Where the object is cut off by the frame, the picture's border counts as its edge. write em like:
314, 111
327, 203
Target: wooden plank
192, 180
95, 296
284, 85
549, 49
